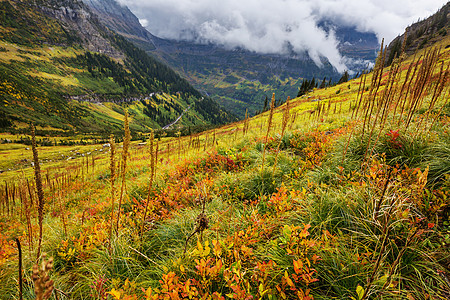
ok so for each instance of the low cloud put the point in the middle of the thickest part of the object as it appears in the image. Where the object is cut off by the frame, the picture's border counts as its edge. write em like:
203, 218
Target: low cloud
278, 26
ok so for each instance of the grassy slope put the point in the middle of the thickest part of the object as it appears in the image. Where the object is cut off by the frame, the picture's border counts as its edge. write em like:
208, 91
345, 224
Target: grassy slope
326, 225
227, 89
41, 65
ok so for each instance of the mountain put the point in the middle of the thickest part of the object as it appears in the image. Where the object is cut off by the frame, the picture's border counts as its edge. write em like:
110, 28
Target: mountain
236, 78
241, 79
341, 194
422, 34
360, 47
61, 68
121, 20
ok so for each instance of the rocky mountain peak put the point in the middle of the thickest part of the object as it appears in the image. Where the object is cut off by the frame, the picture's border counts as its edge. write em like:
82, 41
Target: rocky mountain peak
77, 17
121, 20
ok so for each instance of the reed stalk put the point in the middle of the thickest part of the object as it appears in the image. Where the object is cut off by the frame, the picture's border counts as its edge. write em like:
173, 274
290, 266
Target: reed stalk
126, 144
20, 269
40, 191
284, 123
156, 154
361, 88
62, 213
269, 125
423, 79
27, 213
408, 89
179, 144
150, 185
443, 77
375, 84
383, 106
112, 179
7, 198
399, 95
245, 129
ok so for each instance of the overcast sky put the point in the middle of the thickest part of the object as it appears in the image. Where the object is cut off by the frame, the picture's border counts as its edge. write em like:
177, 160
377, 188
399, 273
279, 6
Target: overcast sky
267, 26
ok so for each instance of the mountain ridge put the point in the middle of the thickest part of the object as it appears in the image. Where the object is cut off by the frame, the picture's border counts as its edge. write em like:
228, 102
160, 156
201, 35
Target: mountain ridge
236, 78
421, 34
121, 20
53, 50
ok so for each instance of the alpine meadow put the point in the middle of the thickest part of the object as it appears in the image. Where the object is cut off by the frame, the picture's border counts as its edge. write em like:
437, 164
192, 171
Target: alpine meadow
121, 180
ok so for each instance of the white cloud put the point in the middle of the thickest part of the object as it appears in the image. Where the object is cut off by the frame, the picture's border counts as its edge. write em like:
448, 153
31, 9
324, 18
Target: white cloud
269, 26
144, 22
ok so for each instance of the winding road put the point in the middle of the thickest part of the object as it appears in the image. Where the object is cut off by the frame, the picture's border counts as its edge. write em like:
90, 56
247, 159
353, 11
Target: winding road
174, 122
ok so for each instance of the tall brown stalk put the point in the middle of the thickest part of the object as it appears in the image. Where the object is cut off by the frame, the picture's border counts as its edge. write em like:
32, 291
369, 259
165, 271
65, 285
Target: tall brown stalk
382, 108
150, 185
40, 191
27, 205
245, 128
126, 144
20, 268
269, 125
112, 180
284, 123
443, 77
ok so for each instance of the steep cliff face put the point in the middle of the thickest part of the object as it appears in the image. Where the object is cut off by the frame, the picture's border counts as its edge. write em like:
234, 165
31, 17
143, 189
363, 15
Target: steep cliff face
75, 16
121, 20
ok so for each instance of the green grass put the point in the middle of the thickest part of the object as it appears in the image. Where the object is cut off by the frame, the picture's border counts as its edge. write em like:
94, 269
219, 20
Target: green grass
347, 220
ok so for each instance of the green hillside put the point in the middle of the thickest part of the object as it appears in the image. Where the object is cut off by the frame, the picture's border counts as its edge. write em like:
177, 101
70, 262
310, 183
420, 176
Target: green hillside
237, 79
342, 193
48, 78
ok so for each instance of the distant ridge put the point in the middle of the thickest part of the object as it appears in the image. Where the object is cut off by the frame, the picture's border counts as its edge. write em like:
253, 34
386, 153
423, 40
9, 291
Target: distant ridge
422, 34
236, 78
55, 51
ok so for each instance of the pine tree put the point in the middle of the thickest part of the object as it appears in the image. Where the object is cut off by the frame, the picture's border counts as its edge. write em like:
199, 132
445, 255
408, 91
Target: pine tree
344, 77
323, 84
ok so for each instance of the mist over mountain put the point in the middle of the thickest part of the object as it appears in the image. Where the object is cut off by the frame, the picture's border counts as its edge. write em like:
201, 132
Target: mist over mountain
278, 27
239, 78
421, 34
260, 48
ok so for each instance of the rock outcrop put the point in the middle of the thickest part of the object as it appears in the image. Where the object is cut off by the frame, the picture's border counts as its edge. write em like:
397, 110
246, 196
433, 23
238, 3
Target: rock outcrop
77, 17
422, 34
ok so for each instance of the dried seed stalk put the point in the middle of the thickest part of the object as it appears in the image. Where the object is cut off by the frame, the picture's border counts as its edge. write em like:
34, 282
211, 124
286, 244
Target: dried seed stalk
43, 286
40, 191
20, 269
284, 123
126, 144
112, 179
269, 125
150, 185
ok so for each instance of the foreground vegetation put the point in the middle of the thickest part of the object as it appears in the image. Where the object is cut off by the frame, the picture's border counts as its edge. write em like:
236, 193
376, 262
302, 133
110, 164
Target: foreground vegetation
340, 194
